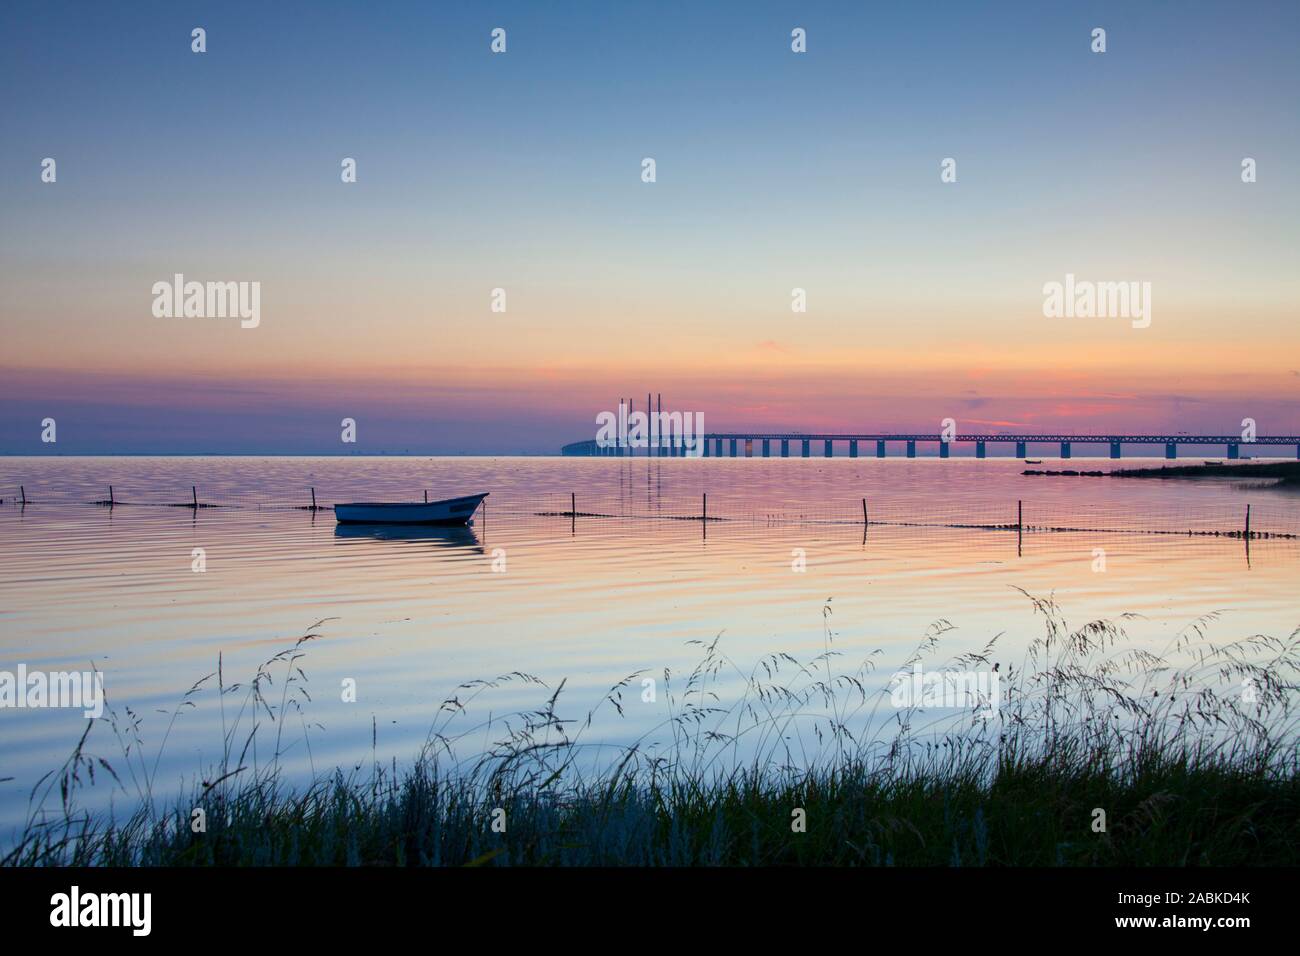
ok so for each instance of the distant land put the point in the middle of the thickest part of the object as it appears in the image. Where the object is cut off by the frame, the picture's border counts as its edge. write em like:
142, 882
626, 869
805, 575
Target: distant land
1287, 472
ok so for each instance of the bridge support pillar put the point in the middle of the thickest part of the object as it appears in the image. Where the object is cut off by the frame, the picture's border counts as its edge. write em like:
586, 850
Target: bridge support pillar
944, 449
853, 448
880, 450
733, 448
911, 449
704, 445
785, 448
829, 450
1234, 450
1114, 449
1020, 449
981, 450
767, 448
1171, 450
1065, 449
806, 450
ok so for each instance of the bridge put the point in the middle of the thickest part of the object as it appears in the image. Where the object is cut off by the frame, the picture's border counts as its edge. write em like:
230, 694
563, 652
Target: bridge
762, 444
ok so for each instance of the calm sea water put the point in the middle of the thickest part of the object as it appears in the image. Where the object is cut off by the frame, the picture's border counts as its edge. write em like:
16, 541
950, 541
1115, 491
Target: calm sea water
587, 601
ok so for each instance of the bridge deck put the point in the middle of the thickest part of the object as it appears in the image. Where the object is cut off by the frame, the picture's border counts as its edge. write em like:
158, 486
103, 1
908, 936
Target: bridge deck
1079, 439
1232, 441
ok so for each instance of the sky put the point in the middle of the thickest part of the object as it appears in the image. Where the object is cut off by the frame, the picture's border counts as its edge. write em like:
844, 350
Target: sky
522, 171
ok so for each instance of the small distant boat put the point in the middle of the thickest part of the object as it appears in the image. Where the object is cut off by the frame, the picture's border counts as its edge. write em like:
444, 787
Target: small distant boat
448, 511
1033, 461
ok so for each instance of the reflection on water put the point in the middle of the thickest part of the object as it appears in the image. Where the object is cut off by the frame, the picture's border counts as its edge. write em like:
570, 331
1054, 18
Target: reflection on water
446, 537
412, 612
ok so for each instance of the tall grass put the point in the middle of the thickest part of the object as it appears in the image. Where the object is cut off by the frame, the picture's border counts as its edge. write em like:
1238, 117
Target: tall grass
1187, 765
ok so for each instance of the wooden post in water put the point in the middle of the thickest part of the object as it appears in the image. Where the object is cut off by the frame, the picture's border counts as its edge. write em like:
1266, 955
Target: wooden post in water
1247, 522
426, 496
194, 492
313, 499
23, 491
573, 510
1020, 525
865, 522
705, 516
110, 496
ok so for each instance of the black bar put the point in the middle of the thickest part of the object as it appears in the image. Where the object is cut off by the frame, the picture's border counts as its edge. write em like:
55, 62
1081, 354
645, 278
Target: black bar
883, 905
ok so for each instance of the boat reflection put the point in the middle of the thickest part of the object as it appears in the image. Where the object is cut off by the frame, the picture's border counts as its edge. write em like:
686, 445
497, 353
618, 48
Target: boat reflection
442, 536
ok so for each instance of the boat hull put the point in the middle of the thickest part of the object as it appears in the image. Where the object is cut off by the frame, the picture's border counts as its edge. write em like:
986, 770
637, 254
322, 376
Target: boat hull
447, 513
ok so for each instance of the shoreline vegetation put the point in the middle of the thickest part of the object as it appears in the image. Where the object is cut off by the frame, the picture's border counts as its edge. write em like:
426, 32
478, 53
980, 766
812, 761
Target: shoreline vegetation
1284, 472
1101, 753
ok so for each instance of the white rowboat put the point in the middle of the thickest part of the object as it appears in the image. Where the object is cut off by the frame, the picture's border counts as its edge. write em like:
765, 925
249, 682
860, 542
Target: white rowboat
449, 511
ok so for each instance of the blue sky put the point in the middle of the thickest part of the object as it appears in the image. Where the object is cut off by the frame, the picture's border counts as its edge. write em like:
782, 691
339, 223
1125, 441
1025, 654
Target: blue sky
521, 171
